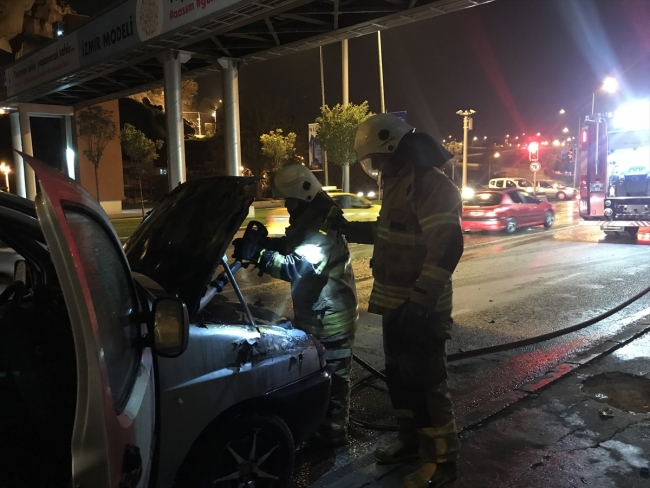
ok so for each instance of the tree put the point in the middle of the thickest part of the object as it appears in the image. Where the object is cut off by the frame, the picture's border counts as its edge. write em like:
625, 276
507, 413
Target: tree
96, 128
456, 149
337, 127
141, 151
189, 89
278, 149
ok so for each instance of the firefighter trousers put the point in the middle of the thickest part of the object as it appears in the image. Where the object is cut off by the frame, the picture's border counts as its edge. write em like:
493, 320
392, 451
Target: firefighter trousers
339, 361
416, 376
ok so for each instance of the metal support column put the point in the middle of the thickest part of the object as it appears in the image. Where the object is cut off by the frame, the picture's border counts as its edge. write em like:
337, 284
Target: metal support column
231, 106
346, 101
26, 138
71, 160
381, 74
322, 93
174, 117
17, 143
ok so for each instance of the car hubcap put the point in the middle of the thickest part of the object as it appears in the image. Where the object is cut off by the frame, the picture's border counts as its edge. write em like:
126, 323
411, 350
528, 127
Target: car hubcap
560, 196
249, 473
549, 219
511, 226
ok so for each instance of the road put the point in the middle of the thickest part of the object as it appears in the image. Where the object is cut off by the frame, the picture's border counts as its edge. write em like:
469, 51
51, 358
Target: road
506, 288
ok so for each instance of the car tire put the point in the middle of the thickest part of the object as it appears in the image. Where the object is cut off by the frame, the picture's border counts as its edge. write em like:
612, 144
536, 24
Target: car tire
511, 225
249, 450
561, 195
549, 219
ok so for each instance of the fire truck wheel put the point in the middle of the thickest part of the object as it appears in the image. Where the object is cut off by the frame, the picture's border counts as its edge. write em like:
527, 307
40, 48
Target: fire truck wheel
632, 231
561, 195
511, 225
549, 218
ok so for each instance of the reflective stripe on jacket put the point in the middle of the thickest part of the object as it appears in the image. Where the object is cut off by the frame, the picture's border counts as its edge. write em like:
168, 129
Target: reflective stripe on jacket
418, 241
318, 265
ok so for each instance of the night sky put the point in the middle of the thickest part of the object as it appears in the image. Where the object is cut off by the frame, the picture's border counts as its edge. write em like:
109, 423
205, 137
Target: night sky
516, 62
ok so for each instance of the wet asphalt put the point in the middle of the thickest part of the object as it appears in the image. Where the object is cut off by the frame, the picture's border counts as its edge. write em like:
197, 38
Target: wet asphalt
506, 288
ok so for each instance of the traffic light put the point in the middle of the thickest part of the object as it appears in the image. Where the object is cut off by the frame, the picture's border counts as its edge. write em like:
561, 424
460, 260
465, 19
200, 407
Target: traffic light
533, 152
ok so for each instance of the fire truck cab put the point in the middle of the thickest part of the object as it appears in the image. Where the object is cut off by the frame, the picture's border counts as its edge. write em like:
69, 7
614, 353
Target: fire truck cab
615, 169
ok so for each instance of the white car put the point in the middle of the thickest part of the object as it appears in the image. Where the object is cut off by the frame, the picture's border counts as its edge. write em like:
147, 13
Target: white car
120, 367
511, 183
553, 189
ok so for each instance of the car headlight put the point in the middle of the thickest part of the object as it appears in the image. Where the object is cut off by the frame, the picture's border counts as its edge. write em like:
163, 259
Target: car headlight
608, 203
608, 212
467, 193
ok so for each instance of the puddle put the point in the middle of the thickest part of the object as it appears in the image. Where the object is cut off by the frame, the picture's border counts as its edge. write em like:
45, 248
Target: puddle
620, 390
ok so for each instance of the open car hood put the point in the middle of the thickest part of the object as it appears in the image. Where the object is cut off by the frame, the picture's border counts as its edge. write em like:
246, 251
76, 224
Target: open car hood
181, 242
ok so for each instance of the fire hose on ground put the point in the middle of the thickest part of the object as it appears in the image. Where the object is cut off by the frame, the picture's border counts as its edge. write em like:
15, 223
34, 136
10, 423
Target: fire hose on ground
374, 373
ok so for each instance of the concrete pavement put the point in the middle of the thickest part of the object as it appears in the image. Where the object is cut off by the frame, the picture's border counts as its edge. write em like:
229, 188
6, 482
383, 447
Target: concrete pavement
584, 423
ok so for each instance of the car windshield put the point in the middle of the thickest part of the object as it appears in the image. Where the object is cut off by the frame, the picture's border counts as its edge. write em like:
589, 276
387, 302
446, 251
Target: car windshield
524, 183
485, 199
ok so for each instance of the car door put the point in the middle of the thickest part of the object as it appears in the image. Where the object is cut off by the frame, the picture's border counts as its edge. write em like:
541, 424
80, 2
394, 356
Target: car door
518, 208
113, 435
535, 208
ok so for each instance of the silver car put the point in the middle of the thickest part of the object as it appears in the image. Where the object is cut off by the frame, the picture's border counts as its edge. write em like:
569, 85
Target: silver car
124, 368
553, 189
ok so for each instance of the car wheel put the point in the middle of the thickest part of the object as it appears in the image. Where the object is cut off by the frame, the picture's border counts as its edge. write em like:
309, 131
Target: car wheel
251, 450
549, 218
561, 195
511, 225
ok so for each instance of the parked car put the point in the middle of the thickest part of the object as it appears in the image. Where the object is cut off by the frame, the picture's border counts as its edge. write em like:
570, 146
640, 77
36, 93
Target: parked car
111, 386
514, 183
553, 189
505, 210
355, 208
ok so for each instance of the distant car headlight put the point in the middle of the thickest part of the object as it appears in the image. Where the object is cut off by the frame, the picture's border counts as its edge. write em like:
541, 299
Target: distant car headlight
608, 203
360, 194
467, 193
608, 212
371, 194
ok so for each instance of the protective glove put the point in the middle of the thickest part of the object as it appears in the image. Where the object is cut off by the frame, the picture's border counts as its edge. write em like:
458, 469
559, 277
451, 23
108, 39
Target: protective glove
247, 250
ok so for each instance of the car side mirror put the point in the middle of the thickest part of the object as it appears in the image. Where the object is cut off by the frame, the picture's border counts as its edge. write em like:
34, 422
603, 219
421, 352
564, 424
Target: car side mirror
171, 326
20, 271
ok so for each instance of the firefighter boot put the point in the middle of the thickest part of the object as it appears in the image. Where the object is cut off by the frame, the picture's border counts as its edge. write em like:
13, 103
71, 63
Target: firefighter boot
432, 475
405, 446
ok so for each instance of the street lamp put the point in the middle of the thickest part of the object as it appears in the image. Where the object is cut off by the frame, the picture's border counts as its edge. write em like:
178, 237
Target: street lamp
6, 170
610, 85
562, 111
467, 125
565, 130
556, 142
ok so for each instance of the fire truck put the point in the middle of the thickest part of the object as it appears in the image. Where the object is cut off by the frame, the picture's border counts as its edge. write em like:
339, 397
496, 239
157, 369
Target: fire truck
614, 169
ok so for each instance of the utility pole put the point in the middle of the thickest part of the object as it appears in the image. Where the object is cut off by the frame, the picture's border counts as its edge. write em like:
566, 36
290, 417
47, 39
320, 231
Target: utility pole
322, 92
346, 100
381, 74
467, 126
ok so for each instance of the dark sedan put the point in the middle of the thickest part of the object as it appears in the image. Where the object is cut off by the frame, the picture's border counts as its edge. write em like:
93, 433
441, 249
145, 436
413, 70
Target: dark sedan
506, 210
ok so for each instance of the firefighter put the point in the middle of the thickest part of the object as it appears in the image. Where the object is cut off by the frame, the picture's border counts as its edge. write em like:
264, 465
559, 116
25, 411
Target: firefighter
418, 242
313, 256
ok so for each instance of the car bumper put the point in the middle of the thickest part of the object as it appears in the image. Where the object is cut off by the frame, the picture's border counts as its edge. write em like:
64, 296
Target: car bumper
303, 404
484, 224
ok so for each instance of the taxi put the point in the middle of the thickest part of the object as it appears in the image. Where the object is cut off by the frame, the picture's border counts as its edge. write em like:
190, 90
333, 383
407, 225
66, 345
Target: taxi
355, 208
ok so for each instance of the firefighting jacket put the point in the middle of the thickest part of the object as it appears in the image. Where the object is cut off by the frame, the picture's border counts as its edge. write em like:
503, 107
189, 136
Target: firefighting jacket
418, 241
314, 258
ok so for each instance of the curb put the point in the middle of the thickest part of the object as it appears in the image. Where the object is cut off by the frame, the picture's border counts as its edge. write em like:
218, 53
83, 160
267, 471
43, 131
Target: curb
490, 409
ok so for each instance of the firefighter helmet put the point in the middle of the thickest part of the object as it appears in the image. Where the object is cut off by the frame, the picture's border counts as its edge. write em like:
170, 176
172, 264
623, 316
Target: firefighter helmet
380, 133
296, 181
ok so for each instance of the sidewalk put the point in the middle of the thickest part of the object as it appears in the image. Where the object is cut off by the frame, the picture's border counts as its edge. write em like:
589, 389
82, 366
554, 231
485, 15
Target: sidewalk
586, 423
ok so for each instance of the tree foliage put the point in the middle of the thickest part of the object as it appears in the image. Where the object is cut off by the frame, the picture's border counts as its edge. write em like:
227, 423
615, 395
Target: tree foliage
189, 89
96, 128
278, 148
141, 151
456, 149
337, 127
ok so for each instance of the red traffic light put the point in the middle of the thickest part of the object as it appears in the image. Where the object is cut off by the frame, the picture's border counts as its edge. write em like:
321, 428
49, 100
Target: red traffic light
533, 151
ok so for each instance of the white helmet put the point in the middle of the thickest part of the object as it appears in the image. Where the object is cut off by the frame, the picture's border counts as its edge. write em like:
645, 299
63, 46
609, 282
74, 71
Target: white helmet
379, 133
296, 181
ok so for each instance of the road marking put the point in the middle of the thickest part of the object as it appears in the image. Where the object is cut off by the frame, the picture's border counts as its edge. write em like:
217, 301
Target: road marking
564, 278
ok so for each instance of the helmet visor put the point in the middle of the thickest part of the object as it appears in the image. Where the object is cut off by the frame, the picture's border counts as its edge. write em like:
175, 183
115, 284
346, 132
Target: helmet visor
366, 164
